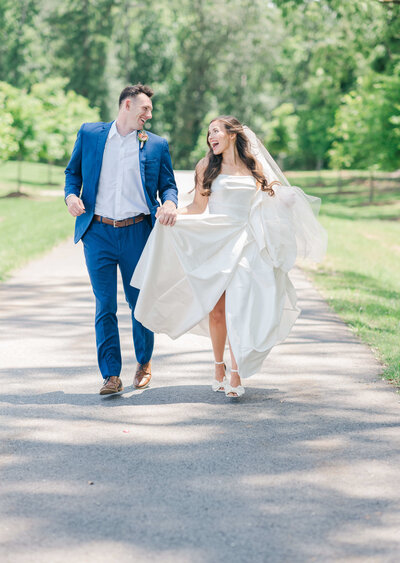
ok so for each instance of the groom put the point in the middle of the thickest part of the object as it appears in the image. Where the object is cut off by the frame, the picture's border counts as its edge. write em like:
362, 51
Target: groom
115, 174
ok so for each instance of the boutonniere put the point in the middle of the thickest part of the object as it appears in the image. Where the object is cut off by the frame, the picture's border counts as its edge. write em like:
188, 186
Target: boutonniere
143, 137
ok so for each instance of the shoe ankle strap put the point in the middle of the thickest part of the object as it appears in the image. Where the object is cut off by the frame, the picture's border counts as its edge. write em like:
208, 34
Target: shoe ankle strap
219, 363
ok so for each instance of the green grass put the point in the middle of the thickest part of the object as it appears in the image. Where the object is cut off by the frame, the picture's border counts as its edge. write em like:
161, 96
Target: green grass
360, 277
35, 177
30, 226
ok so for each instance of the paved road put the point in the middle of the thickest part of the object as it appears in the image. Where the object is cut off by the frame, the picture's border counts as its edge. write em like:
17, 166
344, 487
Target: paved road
304, 468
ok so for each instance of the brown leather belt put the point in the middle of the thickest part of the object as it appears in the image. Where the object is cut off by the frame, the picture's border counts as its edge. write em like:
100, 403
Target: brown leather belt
121, 222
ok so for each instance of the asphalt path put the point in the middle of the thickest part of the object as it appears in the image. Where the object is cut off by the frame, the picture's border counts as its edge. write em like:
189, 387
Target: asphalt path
304, 468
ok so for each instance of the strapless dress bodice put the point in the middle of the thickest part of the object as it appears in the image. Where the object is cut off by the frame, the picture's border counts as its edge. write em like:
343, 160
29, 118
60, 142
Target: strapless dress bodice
232, 195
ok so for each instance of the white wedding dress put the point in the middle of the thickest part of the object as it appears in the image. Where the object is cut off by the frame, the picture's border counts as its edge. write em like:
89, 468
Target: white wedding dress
244, 246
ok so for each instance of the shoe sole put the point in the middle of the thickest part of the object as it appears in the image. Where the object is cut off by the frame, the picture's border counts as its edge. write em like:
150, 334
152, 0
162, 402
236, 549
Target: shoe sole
107, 392
234, 398
142, 386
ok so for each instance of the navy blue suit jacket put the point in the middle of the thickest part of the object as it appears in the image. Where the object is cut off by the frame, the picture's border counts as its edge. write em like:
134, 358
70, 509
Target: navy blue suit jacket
83, 171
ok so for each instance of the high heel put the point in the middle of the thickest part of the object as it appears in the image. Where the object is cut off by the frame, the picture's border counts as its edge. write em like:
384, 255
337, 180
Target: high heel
219, 385
239, 390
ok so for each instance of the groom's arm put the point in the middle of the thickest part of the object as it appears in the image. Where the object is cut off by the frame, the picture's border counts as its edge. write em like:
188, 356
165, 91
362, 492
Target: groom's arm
167, 189
73, 179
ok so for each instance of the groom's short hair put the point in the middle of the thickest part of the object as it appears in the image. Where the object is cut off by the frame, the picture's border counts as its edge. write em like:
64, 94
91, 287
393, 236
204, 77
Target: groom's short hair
132, 91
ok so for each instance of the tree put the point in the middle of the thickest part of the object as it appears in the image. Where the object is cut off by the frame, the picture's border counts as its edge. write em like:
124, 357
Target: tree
81, 31
62, 114
26, 113
281, 138
327, 47
367, 126
8, 145
220, 69
41, 125
17, 41
248, 58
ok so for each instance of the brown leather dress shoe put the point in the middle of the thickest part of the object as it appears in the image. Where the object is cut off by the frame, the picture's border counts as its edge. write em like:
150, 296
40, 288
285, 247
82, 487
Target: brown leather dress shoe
111, 385
142, 376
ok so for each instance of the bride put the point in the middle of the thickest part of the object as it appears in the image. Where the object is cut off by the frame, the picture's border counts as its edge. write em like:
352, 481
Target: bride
225, 274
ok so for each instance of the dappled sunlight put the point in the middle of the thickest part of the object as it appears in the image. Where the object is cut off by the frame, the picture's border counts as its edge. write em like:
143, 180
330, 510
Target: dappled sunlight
181, 472
328, 443
14, 526
61, 431
376, 527
286, 467
113, 550
350, 480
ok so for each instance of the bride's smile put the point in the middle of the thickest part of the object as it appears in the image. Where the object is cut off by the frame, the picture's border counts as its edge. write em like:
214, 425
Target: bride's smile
218, 138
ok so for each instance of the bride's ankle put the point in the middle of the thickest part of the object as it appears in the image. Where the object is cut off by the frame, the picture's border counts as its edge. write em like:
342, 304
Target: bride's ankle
235, 378
220, 370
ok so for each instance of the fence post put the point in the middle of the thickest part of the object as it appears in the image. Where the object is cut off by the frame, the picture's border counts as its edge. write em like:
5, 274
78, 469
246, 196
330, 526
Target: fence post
371, 186
339, 181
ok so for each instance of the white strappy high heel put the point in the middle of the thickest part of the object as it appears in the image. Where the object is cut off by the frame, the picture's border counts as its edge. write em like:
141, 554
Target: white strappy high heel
219, 385
239, 390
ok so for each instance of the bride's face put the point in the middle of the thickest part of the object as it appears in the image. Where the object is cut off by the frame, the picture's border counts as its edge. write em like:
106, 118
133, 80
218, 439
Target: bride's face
219, 138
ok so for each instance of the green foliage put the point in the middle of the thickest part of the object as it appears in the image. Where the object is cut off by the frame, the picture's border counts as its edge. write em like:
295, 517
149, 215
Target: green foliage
281, 138
326, 50
25, 111
139, 58
248, 58
367, 125
80, 32
62, 114
8, 144
18, 36
41, 125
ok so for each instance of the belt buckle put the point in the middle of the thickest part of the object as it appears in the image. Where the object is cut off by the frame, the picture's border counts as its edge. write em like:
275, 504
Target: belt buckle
115, 221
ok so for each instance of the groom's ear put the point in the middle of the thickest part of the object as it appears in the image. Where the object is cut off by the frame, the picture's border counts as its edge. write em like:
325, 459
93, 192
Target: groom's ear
127, 104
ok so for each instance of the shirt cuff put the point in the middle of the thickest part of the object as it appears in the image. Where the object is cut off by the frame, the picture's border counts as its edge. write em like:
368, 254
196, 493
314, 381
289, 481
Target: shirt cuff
66, 199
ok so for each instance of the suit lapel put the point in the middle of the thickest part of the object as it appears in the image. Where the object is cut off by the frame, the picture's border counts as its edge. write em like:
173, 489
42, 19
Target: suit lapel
142, 161
98, 159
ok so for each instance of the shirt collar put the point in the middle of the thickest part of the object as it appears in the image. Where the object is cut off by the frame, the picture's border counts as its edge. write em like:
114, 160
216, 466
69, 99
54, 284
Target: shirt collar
114, 131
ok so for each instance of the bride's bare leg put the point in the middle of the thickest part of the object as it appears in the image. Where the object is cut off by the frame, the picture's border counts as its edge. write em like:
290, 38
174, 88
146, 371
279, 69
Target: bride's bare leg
218, 335
235, 378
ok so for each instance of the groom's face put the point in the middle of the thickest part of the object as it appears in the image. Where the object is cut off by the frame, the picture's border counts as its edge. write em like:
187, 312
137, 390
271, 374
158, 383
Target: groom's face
139, 110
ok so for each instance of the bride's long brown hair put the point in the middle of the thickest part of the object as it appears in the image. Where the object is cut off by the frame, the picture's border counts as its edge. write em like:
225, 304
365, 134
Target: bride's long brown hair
214, 161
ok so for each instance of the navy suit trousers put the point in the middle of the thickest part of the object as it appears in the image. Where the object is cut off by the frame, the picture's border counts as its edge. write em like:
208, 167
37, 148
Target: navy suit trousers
107, 248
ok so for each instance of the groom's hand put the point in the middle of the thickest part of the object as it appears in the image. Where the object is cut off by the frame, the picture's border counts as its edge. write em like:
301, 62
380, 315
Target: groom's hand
167, 213
75, 205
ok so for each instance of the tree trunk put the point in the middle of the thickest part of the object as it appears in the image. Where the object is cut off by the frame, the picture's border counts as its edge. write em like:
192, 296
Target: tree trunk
19, 175
49, 171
